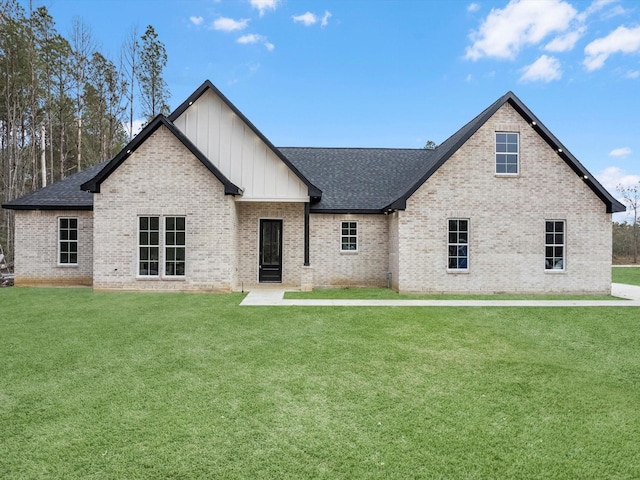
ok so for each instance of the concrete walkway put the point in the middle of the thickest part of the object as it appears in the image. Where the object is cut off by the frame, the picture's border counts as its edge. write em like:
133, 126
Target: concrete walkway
275, 297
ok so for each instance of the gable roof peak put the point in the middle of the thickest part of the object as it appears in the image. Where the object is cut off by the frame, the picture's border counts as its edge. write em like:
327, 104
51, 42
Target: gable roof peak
93, 185
451, 145
207, 85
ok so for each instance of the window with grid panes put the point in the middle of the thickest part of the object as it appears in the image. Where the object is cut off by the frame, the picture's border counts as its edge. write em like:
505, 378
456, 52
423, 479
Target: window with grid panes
349, 237
554, 245
68, 241
458, 244
507, 153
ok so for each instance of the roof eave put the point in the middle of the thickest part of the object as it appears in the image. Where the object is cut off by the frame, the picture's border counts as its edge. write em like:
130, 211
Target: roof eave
9, 206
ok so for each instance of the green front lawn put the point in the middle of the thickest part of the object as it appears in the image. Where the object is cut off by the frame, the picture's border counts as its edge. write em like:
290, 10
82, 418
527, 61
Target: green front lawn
628, 275
387, 294
125, 385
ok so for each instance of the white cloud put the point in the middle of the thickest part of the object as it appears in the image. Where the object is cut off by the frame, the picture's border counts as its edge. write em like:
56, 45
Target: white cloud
137, 125
611, 177
325, 18
264, 5
505, 31
229, 24
307, 19
196, 20
620, 152
544, 69
256, 38
566, 42
595, 6
633, 74
622, 39
473, 7
251, 38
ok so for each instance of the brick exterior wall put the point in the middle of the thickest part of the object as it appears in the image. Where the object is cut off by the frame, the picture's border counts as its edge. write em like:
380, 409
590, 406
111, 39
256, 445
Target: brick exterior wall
367, 267
292, 216
36, 249
507, 221
162, 178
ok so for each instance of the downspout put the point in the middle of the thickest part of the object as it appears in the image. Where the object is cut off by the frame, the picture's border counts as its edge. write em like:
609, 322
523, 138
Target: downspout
306, 234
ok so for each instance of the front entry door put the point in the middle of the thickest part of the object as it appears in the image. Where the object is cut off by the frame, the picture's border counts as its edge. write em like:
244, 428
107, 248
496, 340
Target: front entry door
270, 263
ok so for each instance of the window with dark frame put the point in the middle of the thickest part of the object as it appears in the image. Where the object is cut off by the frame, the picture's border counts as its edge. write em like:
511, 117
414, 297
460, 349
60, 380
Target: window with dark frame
507, 150
68, 241
554, 245
149, 246
174, 246
349, 237
458, 243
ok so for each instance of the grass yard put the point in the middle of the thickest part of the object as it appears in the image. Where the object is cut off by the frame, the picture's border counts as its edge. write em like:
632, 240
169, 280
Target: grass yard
125, 385
628, 275
387, 294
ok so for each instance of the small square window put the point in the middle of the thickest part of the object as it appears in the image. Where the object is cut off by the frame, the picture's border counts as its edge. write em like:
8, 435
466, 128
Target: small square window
349, 237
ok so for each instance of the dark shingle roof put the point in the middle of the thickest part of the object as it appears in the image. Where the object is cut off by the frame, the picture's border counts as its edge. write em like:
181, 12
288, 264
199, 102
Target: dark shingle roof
356, 180
359, 180
63, 195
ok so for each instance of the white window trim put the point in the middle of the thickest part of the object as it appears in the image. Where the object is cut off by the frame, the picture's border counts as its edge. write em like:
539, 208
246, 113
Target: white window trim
60, 264
357, 237
468, 245
495, 158
162, 248
563, 245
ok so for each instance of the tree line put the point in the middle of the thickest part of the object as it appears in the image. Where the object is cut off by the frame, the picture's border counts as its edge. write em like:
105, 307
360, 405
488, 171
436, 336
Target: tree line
64, 104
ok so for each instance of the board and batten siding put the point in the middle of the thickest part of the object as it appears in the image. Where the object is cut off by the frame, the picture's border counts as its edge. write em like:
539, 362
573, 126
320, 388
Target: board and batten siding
234, 148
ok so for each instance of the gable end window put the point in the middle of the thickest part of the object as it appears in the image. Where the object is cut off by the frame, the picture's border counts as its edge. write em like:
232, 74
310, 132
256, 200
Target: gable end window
554, 245
507, 149
68, 241
161, 246
458, 244
349, 237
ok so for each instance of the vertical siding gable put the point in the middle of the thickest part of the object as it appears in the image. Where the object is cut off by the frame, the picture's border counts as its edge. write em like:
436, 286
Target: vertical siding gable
238, 152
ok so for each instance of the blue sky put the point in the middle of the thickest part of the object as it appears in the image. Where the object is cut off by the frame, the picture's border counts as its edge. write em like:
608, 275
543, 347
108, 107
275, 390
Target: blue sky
396, 73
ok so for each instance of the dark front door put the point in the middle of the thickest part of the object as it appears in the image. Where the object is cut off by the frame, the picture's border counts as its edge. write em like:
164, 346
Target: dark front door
270, 264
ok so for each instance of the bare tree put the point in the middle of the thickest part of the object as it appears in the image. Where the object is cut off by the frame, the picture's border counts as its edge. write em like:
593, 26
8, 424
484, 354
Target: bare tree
130, 61
82, 46
631, 197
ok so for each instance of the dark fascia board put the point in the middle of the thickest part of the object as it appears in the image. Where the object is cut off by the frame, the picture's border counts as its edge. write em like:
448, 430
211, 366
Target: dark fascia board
314, 192
347, 211
612, 205
8, 206
93, 185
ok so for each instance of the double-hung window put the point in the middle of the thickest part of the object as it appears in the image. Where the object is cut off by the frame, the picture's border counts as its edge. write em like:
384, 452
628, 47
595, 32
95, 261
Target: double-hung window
174, 246
161, 246
507, 153
554, 245
67, 241
349, 237
149, 247
458, 243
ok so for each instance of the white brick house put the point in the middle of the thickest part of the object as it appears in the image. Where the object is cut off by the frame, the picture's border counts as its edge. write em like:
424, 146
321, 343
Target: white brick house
201, 200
